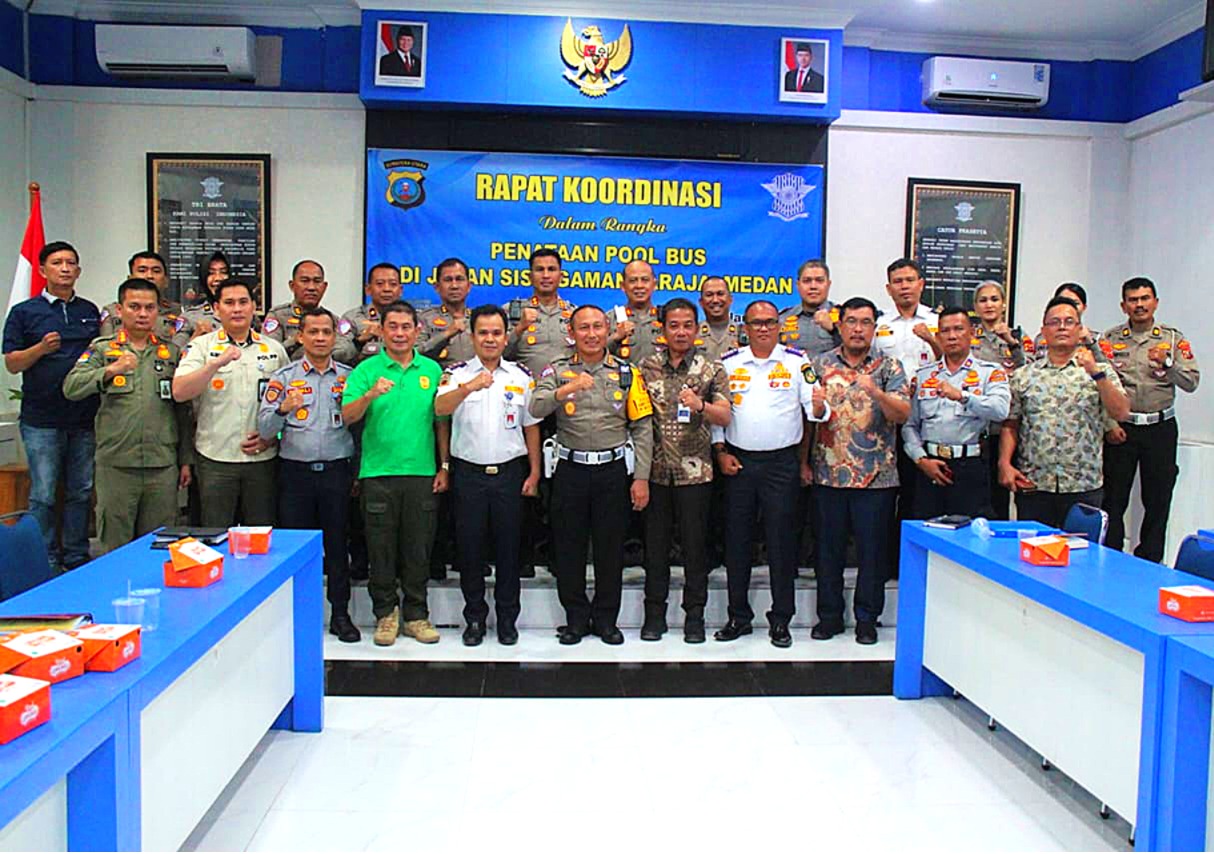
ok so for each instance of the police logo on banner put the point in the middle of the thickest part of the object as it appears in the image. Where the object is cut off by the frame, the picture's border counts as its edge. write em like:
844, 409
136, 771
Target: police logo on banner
210, 187
965, 211
592, 62
788, 192
405, 179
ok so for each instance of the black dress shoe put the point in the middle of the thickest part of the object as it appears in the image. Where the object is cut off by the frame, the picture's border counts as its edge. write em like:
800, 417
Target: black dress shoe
507, 634
611, 635
345, 630
569, 636
474, 633
866, 632
732, 631
527, 571
780, 636
826, 631
693, 631
655, 623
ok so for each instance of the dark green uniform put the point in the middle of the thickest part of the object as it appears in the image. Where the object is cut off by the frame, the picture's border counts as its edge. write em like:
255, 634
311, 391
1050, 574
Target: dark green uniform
138, 453
170, 321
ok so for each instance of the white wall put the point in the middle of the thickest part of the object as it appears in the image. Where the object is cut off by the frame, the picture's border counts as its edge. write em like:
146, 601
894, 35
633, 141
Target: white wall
14, 198
1073, 182
89, 148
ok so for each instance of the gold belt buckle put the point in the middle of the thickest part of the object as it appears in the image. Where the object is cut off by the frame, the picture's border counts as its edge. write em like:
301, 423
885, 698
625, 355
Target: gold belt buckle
945, 452
491, 469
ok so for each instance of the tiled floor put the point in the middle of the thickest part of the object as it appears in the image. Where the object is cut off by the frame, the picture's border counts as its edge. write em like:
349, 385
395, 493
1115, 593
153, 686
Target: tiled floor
709, 774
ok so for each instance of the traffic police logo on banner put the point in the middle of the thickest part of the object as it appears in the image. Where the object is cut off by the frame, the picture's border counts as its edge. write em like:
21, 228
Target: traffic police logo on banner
788, 192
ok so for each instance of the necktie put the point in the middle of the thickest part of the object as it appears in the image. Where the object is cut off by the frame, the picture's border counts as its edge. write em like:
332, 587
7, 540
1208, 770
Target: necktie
801, 80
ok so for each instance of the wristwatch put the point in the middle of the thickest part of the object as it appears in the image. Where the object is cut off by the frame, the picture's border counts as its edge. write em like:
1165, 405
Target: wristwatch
446, 465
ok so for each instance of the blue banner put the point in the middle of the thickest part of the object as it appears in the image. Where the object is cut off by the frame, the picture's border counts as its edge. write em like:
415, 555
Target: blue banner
751, 223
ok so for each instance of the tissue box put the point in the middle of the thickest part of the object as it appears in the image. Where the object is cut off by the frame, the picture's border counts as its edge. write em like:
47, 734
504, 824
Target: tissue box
192, 564
24, 704
109, 647
47, 655
1190, 602
1045, 551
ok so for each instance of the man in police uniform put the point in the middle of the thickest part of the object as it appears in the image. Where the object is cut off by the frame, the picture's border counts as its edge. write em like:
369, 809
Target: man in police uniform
636, 330
721, 330
811, 326
446, 336
771, 386
284, 321
383, 289
539, 326
170, 319
227, 372
495, 461
302, 403
952, 402
1152, 360
139, 464
600, 402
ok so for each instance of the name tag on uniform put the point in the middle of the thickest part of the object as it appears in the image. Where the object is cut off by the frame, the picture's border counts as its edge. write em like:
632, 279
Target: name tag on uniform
337, 422
166, 389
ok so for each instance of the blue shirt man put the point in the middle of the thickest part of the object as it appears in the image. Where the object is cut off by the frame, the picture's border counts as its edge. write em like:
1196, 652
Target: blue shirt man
43, 337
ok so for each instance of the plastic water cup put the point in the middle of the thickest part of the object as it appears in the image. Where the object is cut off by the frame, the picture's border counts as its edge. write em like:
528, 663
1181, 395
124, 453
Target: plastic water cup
1025, 533
151, 607
128, 610
241, 539
982, 528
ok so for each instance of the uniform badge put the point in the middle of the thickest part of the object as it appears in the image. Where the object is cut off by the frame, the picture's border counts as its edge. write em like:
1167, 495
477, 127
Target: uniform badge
343, 327
530, 339
618, 395
217, 384
570, 408
737, 400
269, 325
119, 381
85, 356
162, 352
424, 382
998, 376
1156, 332
807, 372
439, 322
568, 375
273, 391
301, 414
1185, 348
179, 324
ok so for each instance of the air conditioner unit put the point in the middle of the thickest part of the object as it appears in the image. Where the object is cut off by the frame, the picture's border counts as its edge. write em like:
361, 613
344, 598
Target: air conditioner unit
953, 81
196, 53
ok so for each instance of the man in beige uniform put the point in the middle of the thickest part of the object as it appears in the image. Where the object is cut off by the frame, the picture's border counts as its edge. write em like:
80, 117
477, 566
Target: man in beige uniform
446, 334
227, 372
282, 323
721, 331
170, 319
539, 326
636, 328
383, 287
600, 402
1152, 360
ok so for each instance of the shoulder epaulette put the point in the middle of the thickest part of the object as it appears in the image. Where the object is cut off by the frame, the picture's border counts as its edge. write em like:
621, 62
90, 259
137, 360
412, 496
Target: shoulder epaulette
455, 365
794, 351
523, 368
735, 351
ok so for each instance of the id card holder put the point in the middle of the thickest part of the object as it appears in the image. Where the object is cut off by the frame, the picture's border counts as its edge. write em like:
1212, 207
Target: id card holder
262, 385
683, 414
337, 422
166, 389
510, 419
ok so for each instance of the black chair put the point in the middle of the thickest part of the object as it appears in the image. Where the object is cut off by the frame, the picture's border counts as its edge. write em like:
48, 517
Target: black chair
24, 563
1196, 556
1091, 522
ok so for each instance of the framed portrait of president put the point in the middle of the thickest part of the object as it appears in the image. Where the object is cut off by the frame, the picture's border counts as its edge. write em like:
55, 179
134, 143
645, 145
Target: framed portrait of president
400, 53
804, 69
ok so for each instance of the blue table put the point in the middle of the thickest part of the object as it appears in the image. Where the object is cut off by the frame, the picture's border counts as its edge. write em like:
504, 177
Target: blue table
1070, 659
132, 759
1184, 746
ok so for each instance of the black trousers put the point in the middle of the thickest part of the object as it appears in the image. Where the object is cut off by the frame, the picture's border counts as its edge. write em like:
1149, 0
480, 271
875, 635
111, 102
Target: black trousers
969, 494
320, 499
1149, 450
768, 482
866, 514
905, 504
488, 513
1001, 498
590, 504
685, 509
1050, 508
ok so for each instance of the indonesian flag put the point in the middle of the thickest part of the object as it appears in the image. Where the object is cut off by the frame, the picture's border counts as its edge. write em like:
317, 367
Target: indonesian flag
28, 281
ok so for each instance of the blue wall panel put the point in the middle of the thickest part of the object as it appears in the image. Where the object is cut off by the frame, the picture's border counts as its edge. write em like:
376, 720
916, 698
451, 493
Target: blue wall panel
12, 56
1161, 75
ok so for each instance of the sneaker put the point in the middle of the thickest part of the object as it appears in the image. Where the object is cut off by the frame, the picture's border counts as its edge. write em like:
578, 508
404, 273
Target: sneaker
420, 630
386, 628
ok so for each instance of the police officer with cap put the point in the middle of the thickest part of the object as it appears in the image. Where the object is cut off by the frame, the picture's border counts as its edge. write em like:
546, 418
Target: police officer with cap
952, 403
600, 403
302, 405
770, 386
1152, 361
140, 461
495, 461
284, 322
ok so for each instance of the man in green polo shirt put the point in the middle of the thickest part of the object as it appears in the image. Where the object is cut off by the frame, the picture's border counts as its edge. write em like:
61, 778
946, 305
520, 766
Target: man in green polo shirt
404, 465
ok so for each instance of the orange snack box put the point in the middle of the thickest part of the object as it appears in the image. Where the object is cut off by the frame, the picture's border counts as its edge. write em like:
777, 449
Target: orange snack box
192, 564
109, 647
259, 539
1045, 551
48, 655
24, 704
1189, 602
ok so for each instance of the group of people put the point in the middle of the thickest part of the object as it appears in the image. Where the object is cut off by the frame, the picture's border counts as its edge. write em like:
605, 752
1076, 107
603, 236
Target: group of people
503, 426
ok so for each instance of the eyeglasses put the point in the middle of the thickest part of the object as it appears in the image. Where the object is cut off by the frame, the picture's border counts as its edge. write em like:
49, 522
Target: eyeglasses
865, 322
765, 323
1064, 322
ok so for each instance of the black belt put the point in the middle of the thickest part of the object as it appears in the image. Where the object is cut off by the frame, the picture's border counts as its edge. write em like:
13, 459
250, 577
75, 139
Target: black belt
320, 465
494, 469
733, 449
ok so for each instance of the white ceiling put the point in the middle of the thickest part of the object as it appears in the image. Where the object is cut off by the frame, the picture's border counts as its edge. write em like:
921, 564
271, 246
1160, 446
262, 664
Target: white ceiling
1052, 29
